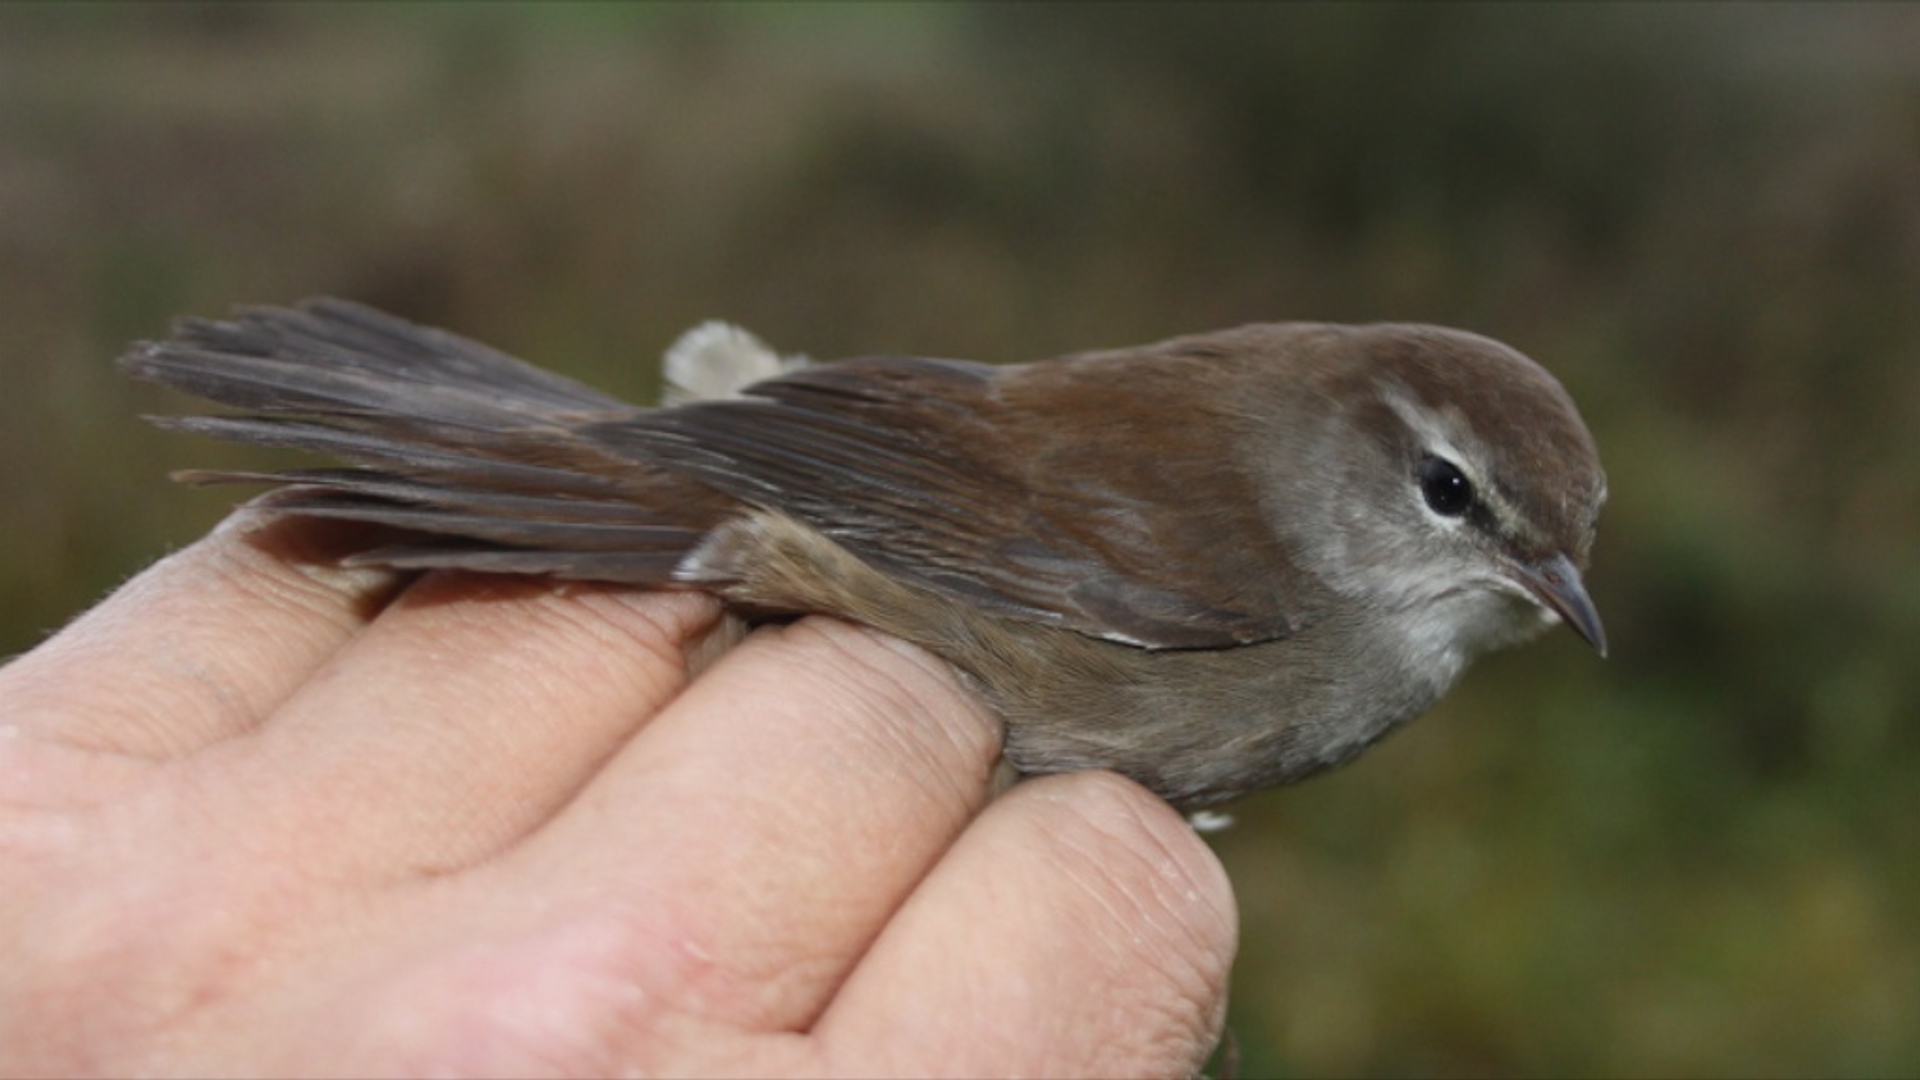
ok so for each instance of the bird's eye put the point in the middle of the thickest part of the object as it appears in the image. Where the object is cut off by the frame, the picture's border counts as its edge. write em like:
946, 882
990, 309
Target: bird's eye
1447, 490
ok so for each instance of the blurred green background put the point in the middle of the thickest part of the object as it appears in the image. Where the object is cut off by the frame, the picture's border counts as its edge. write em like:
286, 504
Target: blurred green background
1701, 856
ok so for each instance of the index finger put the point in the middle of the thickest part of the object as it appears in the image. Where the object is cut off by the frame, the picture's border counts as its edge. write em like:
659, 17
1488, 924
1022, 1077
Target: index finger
203, 644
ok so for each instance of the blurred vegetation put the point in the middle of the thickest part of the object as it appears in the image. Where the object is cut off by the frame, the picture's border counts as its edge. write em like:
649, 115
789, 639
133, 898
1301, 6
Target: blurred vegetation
1697, 857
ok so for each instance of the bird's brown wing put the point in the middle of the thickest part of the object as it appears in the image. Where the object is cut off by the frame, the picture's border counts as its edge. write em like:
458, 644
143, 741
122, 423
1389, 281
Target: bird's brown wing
1099, 494
1096, 494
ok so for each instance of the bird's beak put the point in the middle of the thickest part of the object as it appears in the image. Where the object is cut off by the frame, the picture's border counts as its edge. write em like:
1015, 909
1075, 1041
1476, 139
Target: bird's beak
1556, 583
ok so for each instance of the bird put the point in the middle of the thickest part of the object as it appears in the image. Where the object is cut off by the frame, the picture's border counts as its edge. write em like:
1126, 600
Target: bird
1215, 564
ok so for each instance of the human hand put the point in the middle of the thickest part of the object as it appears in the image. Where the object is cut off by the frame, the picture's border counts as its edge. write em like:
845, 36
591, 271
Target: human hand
261, 814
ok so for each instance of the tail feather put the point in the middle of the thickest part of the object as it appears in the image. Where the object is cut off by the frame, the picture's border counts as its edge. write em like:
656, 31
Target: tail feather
333, 352
572, 536
478, 457
373, 483
410, 454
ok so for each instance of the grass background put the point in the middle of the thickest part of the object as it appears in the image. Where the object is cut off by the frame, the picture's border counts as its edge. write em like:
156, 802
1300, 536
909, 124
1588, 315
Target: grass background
1697, 857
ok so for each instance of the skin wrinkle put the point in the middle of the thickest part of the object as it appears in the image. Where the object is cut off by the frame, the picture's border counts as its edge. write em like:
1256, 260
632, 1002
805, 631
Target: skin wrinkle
970, 729
1177, 887
33, 708
885, 694
1071, 823
839, 655
1181, 962
312, 601
641, 625
627, 631
1184, 958
299, 565
308, 588
645, 653
292, 599
624, 650
127, 728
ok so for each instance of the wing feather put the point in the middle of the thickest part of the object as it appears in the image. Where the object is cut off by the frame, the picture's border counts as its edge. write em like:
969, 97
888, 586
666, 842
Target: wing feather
960, 478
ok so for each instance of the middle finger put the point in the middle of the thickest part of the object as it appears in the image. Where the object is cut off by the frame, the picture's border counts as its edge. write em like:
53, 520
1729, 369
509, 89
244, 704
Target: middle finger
763, 829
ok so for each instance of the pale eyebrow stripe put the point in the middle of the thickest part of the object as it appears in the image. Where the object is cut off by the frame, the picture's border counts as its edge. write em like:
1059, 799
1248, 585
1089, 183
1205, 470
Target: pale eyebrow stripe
1434, 434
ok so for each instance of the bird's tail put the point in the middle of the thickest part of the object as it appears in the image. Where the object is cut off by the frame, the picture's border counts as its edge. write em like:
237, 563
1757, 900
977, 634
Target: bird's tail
483, 460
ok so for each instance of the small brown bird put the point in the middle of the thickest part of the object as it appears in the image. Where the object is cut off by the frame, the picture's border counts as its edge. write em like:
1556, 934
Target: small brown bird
1214, 564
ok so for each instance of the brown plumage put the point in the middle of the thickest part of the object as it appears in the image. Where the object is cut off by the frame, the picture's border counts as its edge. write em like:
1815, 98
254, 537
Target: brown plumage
1204, 562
